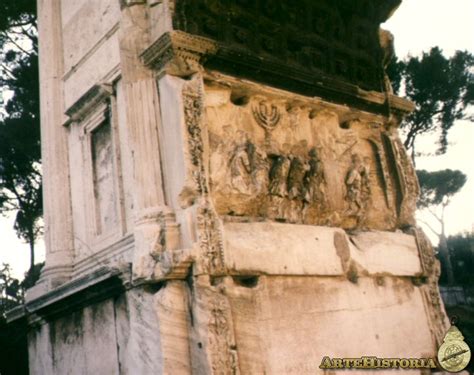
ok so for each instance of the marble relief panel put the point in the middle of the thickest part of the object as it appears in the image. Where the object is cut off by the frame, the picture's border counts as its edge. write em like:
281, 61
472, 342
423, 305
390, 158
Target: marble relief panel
273, 159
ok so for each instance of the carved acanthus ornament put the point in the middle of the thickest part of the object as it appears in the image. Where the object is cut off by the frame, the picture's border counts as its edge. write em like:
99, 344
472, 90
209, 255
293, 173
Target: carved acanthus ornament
224, 356
193, 112
211, 244
208, 224
178, 53
431, 271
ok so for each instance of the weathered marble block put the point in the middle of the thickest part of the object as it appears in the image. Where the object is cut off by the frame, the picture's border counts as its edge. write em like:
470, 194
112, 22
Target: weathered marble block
226, 191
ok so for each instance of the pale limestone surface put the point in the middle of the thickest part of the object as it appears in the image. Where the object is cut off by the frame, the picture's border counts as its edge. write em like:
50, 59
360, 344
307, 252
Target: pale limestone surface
82, 342
386, 253
40, 352
274, 249
277, 249
341, 318
133, 334
243, 229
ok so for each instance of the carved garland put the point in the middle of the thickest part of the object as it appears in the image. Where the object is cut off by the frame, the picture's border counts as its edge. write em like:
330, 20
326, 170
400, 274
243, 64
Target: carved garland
224, 359
223, 349
209, 231
431, 270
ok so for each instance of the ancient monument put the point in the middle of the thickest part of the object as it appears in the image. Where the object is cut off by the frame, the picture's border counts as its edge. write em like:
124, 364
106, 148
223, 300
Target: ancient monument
225, 191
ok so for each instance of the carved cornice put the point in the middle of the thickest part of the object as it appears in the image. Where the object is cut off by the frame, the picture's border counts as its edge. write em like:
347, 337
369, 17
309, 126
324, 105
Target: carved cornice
86, 104
401, 105
178, 48
97, 286
181, 54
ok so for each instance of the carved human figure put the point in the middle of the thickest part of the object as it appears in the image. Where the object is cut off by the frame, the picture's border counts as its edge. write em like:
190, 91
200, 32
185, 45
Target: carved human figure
365, 174
295, 182
313, 183
358, 187
277, 187
219, 158
354, 185
296, 176
240, 166
259, 167
278, 176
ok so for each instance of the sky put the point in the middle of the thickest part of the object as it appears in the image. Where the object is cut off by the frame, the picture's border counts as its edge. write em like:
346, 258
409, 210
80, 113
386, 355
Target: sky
417, 26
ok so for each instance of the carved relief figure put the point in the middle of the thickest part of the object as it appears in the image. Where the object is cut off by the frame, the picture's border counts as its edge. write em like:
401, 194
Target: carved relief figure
240, 167
365, 174
354, 183
259, 168
358, 187
219, 160
278, 176
278, 182
313, 183
296, 174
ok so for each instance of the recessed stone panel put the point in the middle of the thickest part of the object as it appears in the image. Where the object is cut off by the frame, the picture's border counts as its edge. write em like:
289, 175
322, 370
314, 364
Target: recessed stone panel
296, 160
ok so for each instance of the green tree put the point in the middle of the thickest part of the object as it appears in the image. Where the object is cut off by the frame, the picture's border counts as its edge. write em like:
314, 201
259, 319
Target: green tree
13, 336
436, 191
442, 89
11, 293
461, 250
20, 155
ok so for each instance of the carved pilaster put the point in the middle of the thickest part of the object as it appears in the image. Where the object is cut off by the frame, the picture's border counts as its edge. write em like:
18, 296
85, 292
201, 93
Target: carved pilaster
143, 121
55, 163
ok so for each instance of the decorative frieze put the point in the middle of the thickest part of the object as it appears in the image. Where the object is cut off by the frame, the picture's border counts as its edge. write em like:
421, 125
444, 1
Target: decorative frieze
272, 156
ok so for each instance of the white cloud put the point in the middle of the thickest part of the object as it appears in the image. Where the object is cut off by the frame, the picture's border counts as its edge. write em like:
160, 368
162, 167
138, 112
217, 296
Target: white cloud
13, 251
417, 26
421, 24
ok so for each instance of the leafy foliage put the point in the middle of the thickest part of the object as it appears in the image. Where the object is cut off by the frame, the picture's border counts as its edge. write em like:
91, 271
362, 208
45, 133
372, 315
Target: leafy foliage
13, 336
441, 88
12, 290
20, 152
11, 294
461, 249
436, 190
439, 186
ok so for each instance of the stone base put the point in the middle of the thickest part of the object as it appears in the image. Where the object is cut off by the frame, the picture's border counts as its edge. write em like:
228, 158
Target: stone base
287, 300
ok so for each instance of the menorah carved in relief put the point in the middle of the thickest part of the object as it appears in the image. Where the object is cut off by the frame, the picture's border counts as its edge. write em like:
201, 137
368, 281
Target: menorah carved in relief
268, 117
